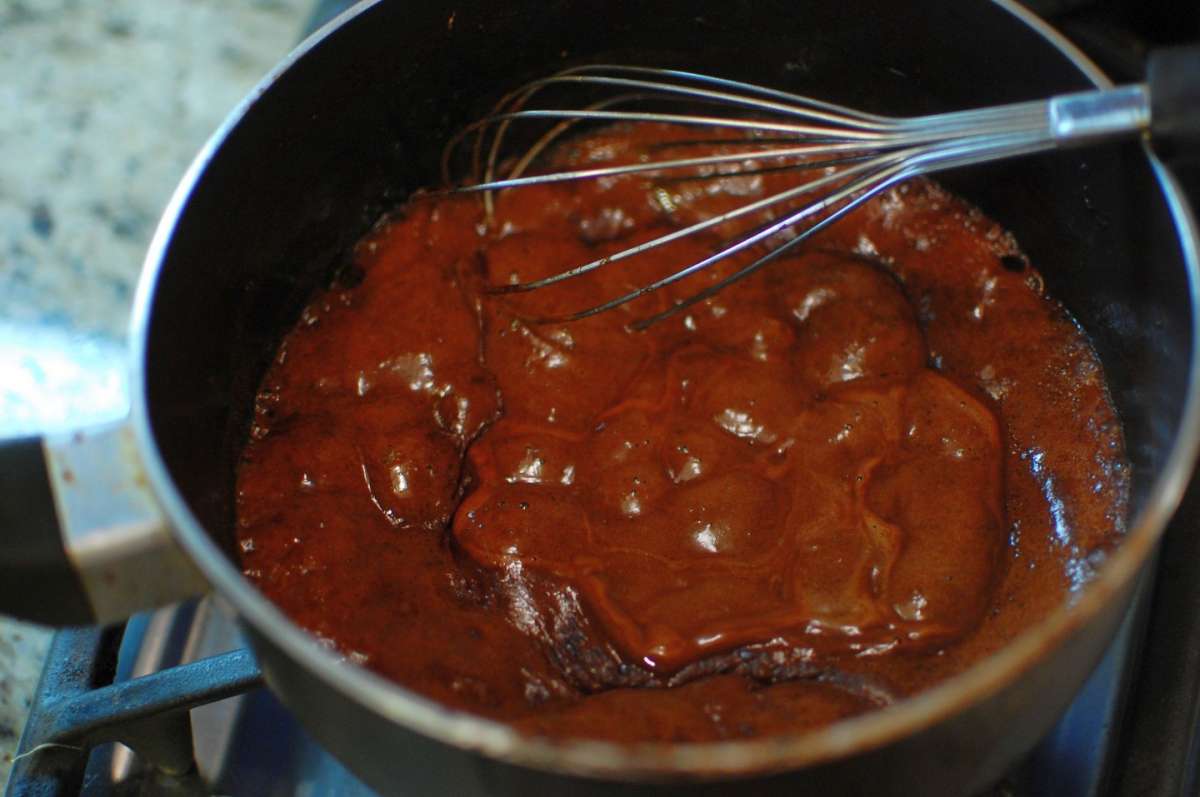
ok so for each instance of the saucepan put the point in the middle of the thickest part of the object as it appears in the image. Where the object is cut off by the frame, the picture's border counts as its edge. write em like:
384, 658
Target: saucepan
102, 521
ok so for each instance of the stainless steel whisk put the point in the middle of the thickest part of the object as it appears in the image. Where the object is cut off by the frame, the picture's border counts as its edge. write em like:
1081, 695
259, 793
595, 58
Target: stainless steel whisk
857, 155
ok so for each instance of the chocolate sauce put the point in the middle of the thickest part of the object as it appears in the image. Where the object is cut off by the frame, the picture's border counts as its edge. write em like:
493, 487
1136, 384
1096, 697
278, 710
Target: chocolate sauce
831, 485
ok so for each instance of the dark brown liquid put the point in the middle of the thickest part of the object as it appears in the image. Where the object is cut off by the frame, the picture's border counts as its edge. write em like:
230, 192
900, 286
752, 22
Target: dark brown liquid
832, 485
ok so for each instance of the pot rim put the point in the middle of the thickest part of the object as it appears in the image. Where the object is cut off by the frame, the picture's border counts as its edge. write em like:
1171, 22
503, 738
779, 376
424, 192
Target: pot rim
663, 760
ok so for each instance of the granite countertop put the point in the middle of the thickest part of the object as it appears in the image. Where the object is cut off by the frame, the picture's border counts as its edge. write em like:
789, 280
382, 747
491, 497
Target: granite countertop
104, 105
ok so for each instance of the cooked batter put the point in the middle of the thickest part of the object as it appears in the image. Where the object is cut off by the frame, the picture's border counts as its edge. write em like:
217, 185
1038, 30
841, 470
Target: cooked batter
832, 485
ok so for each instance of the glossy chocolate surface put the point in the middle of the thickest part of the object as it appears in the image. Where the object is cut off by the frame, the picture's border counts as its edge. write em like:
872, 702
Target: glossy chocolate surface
832, 485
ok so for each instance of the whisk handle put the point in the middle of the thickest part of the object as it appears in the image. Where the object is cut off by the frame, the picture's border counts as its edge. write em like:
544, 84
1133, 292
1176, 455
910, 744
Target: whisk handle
1173, 75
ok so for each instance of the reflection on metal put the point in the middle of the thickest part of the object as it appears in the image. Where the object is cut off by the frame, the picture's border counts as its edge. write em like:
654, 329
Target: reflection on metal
51, 379
1080, 117
113, 530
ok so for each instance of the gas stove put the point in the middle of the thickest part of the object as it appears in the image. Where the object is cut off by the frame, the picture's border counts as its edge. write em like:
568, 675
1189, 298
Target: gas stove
180, 687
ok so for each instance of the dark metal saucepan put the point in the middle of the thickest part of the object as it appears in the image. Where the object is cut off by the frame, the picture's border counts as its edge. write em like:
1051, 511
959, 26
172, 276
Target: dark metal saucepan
352, 121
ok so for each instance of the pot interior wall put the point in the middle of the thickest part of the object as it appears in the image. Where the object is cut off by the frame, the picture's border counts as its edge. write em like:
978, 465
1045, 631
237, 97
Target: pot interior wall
359, 122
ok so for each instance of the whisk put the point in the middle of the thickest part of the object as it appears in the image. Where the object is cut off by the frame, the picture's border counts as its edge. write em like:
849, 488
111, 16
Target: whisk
855, 155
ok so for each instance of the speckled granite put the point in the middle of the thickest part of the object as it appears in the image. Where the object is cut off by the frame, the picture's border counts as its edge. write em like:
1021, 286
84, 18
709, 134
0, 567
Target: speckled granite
102, 106
22, 650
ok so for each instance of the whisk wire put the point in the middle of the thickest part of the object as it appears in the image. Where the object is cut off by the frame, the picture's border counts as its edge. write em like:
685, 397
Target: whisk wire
861, 153
854, 195
724, 99
782, 153
721, 218
880, 174
763, 233
796, 100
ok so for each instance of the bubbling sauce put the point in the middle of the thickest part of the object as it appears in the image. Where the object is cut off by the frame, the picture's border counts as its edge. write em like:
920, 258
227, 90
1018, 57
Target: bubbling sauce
830, 486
